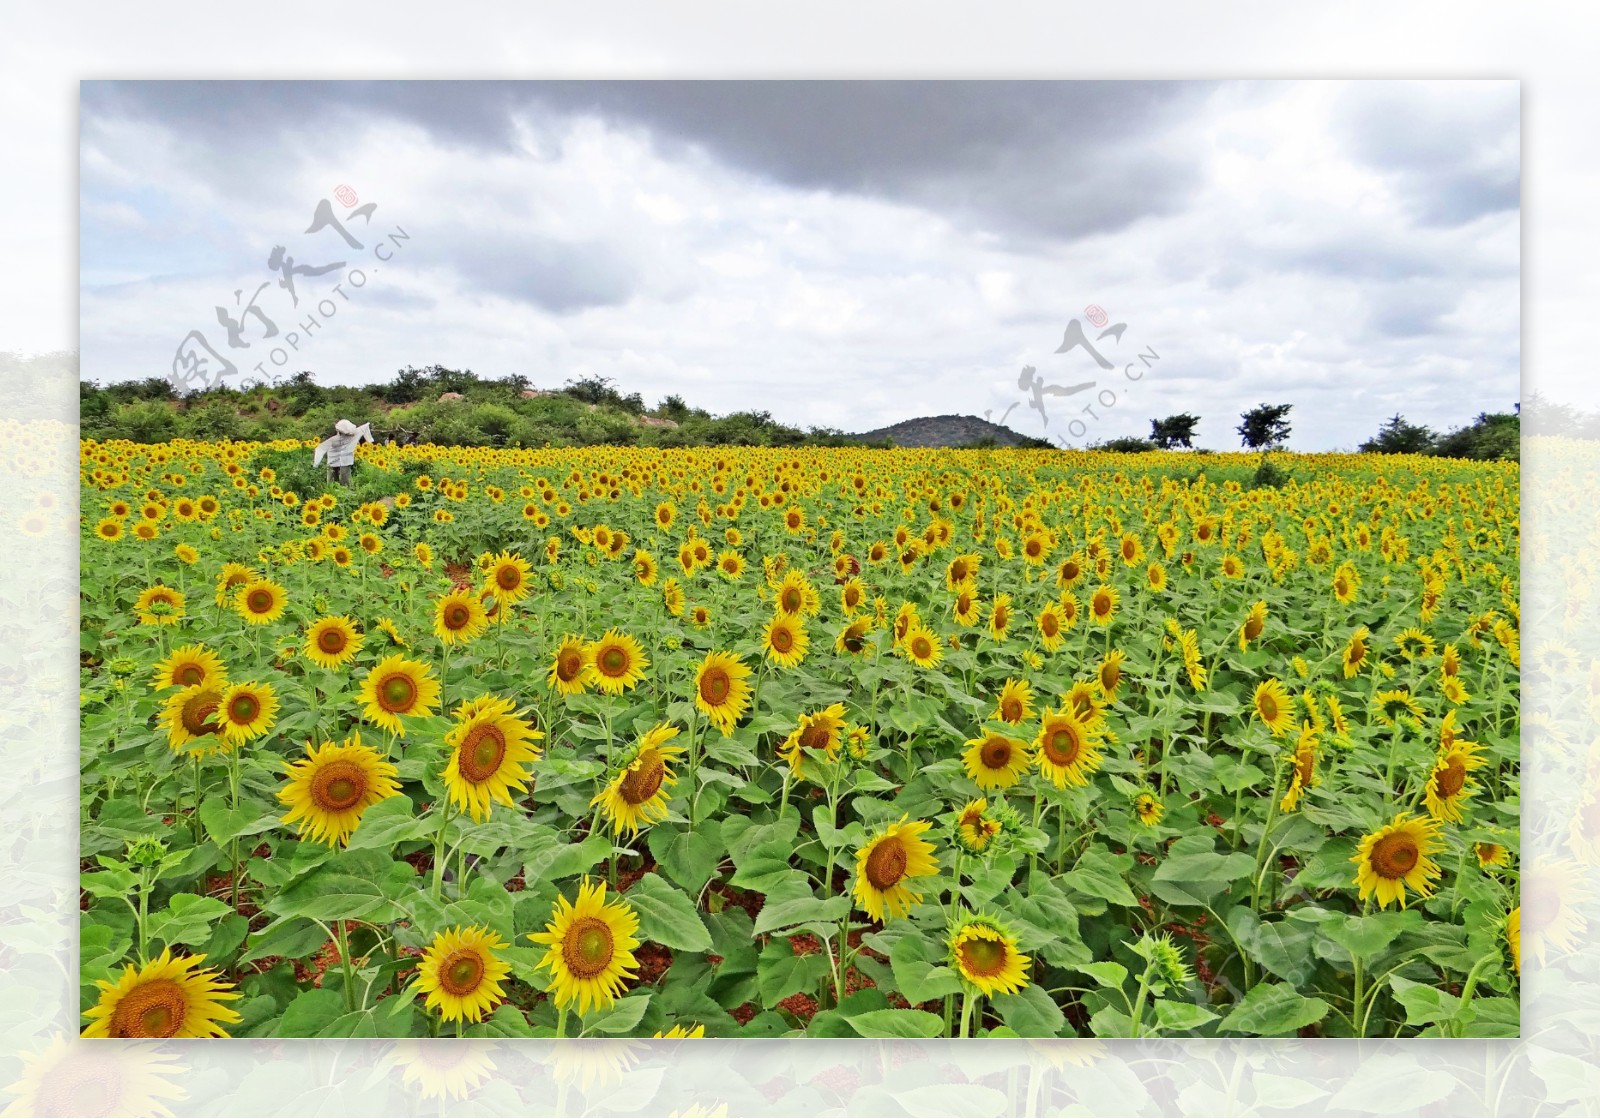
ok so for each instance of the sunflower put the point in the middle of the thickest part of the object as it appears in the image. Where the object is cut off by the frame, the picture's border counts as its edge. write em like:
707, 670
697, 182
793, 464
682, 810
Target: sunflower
159, 606
1086, 702
1397, 856
636, 798
1148, 807
645, 568
984, 953
589, 948
700, 616
491, 746
569, 667
1491, 855
883, 865
1015, 705
247, 711
394, 687
1255, 623
1000, 616
962, 570
681, 1032
1304, 774
1450, 783
1066, 749
852, 595
818, 732
975, 829
1273, 706
186, 553
784, 640
995, 761
188, 667
1232, 567
730, 565
193, 714
1355, 651
458, 617
1103, 605
1514, 938
1346, 582
167, 997
508, 575
461, 974
615, 663
792, 593
1155, 577
720, 689
1051, 625
260, 601
230, 579
967, 606
1108, 674
330, 789
1414, 643
333, 641
922, 647
852, 639
387, 626
109, 528
1394, 704
672, 597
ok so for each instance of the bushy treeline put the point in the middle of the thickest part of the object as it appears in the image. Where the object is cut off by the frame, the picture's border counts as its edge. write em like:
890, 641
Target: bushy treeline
489, 413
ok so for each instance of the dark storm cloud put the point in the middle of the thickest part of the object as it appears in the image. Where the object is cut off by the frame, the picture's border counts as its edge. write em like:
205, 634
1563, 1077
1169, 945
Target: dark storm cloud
1056, 160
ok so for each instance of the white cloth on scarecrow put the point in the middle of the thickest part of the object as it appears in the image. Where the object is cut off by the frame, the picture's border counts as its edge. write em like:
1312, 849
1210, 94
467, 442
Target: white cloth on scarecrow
340, 448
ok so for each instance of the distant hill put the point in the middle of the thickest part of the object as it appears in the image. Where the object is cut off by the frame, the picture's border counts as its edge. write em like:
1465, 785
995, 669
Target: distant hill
947, 431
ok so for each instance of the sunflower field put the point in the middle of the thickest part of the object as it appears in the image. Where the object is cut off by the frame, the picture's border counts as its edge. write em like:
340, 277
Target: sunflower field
771, 742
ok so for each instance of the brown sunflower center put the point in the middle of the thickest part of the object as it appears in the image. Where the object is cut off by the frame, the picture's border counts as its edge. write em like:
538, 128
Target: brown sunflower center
153, 1009
1253, 628
816, 736
1449, 780
644, 780
243, 709
199, 714
569, 663
1011, 709
1394, 856
1110, 677
1049, 625
188, 675
332, 641
886, 863
995, 753
714, 685
958, 570
613, 661
457, 615
482, 750
782, 639
587, 947
1102, 605
461, 972
1002, 617
508, 578
338, 786
258, 602
1267, 706
982, 956
792, 599
397, 693
1062, 745
921, 647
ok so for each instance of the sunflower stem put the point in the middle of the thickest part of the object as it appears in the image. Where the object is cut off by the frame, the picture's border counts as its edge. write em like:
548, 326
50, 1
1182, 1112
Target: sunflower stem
966, 1013
439, 857
345, 962
561, 1021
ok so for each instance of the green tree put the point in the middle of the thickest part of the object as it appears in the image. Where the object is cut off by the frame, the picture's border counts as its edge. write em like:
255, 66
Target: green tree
1265, 427
1174, 431
1399, 436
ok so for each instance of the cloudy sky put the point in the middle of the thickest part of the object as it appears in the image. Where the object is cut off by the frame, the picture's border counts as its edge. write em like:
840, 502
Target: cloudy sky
837, 253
